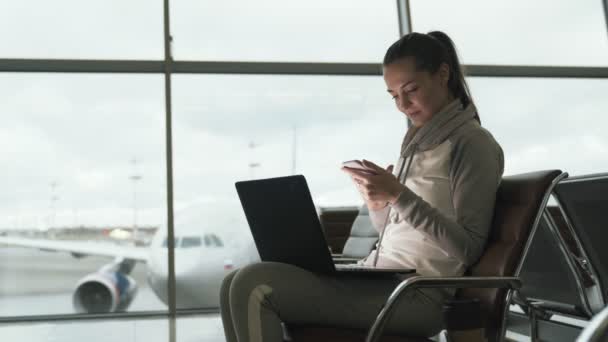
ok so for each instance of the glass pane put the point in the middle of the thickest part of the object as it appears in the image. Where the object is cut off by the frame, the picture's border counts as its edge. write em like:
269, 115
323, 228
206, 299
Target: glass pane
276, 30
546, 123
543, 32
95, 29
234, 127
83, 179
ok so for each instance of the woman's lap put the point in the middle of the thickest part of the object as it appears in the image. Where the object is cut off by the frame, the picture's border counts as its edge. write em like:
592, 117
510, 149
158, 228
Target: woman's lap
298, 296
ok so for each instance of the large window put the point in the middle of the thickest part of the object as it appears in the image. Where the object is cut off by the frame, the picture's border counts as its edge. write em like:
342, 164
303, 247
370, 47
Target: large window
84, 154
95, 29
276, 30
546, 123
82, 168
230, 128
540, 32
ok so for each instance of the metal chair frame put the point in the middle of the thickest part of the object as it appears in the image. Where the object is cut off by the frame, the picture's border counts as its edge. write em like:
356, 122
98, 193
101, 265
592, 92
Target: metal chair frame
509, 283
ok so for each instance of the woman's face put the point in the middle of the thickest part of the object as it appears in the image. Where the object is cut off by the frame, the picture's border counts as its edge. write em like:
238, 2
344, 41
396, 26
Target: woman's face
417, 94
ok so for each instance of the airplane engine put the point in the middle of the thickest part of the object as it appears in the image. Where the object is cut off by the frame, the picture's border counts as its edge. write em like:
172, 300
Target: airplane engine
107, 290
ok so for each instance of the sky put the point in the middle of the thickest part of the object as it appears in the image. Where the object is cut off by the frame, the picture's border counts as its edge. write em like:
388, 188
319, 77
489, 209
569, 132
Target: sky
82, 130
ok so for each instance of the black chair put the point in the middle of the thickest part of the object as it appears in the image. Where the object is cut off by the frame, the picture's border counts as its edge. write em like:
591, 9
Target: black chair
583, 201
553, 281
548, 273
578, 227
361, 240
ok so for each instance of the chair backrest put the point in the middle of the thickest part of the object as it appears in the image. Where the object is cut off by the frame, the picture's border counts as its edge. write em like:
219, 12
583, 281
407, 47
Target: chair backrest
548, 275
336, 223
584, 202
362, 236
520, 200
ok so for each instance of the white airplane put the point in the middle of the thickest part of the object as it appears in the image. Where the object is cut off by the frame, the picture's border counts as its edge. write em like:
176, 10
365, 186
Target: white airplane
202, 259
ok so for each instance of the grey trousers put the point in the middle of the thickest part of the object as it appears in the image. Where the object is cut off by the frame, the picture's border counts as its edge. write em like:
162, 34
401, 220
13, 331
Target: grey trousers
256, 299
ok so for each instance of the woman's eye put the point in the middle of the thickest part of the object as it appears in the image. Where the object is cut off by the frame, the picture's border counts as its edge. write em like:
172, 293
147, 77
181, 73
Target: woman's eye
394, 97
411, 90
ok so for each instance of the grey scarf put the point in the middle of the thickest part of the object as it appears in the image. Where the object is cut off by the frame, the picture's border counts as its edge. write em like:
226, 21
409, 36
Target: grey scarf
438, 129
429, 136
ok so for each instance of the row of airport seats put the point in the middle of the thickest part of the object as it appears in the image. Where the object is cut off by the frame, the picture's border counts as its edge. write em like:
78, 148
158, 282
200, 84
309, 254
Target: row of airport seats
566, 270
556, 251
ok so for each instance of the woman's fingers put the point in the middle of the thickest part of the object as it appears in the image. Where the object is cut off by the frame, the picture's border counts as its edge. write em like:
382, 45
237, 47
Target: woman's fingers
358, 175
373, 187
377, 169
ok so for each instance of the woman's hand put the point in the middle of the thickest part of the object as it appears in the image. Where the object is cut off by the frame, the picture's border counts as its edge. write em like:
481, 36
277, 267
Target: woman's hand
378, 187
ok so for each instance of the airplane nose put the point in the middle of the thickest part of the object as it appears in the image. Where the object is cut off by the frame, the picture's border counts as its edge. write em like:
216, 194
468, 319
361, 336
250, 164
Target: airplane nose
190, 280
158, 283
158, 276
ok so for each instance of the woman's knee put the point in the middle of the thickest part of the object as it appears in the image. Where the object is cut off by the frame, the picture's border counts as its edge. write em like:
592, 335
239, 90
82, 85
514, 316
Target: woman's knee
269, 271
268, 274
254, 273
241, 280
226, 283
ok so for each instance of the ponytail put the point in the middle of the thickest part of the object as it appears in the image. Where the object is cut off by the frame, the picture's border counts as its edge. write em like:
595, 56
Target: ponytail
456, 81
429, 51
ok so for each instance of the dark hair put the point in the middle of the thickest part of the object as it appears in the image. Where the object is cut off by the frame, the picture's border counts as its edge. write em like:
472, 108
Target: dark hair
429, 51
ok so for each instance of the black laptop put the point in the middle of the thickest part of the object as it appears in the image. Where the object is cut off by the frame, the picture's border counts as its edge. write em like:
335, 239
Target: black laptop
286, 228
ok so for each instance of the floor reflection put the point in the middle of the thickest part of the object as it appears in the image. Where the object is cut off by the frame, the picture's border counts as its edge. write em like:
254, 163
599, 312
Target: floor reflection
200, 328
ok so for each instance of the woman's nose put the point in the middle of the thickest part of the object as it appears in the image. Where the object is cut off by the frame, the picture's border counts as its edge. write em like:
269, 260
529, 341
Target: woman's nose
404, 102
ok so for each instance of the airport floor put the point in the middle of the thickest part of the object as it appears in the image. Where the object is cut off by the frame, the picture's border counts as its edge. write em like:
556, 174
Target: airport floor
199, 328
34, 282
188, 328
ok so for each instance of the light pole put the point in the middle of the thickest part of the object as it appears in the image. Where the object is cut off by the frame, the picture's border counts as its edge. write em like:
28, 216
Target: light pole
252, 164
53, 205
135, 177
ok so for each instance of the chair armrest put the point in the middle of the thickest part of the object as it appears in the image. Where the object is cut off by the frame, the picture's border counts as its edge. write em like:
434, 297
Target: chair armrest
435, 282
340, 259
597, 329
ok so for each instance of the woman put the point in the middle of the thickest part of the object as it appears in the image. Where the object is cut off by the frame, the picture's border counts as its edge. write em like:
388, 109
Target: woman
433, 214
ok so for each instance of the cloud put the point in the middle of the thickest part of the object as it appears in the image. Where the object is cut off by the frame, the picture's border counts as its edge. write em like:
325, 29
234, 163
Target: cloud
76, 29
264, 105
546, 123
284, 31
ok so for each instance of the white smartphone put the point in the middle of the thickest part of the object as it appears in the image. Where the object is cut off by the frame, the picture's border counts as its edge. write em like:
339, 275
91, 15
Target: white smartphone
356, 164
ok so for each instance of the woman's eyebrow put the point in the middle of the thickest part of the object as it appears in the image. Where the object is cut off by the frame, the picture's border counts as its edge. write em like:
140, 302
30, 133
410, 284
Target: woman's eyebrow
401, 86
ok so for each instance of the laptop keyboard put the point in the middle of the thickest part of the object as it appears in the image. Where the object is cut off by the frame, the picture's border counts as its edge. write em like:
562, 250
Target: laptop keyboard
350, 268
354, 267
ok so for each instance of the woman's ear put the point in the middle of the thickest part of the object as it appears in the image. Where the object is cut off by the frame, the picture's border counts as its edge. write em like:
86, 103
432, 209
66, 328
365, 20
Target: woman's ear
444, 73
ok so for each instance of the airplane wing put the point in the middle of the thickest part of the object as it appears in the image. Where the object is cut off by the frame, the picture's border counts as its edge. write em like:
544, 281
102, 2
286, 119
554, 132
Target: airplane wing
81, 247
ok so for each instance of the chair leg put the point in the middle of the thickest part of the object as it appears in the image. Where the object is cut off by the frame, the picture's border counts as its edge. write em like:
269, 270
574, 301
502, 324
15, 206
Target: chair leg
463, 320
536, 312
286, 336
533, 325
472, 335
